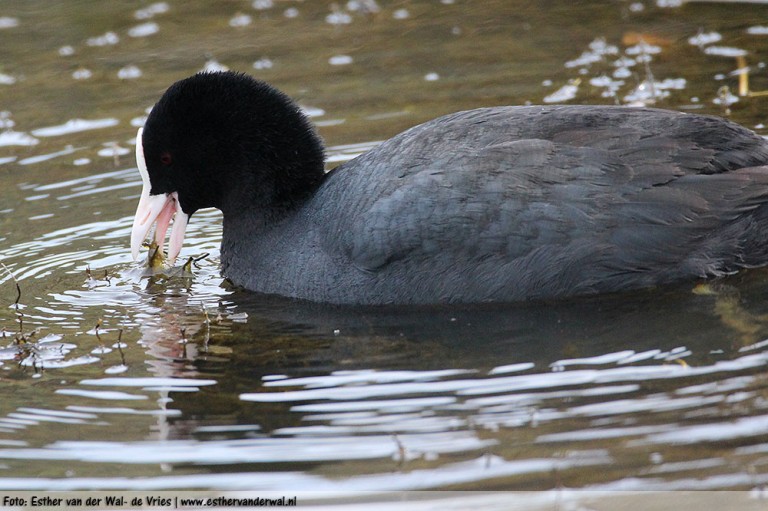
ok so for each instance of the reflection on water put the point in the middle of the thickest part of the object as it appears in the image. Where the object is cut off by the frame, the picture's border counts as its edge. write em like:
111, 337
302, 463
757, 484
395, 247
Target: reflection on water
114, 377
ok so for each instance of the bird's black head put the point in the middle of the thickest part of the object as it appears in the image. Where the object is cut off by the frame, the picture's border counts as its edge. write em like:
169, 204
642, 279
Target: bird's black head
229, 141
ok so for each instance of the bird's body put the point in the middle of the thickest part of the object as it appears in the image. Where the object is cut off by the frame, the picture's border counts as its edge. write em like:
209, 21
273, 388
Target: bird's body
500, 204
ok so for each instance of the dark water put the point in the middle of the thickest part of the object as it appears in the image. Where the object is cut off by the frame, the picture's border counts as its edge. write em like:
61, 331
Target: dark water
114, 380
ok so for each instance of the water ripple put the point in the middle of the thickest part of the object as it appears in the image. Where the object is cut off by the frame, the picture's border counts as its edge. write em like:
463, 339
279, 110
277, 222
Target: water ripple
75, 126
262, 450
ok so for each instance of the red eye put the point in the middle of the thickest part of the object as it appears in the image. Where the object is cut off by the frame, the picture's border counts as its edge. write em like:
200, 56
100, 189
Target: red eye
165, 158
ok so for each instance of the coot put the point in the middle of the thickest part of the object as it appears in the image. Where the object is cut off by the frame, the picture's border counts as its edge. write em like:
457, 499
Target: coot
493, 204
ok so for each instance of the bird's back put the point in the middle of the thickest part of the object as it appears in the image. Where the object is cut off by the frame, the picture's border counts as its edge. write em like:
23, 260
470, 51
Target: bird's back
511, 203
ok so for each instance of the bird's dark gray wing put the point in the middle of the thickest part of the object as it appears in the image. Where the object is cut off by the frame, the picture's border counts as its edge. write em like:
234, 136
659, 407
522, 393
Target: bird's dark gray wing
569, 198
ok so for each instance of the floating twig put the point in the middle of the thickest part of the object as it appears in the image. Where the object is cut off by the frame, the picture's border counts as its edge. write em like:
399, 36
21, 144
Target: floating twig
741, 64
18, 287
20, 337
401, 451
98, 337
199, 258
207, 327
120, 345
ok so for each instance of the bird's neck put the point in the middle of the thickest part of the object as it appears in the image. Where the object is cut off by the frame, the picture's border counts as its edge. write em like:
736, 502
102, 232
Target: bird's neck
258, 245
